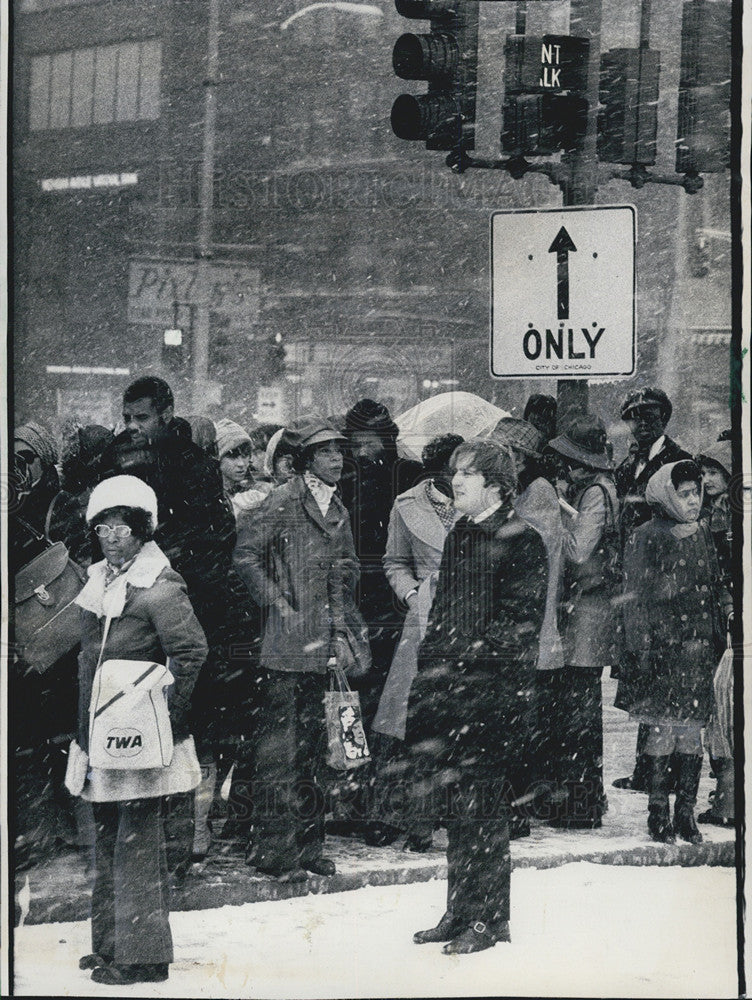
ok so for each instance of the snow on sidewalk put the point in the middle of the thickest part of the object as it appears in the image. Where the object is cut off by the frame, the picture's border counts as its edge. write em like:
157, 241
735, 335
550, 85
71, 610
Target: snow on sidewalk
580, 930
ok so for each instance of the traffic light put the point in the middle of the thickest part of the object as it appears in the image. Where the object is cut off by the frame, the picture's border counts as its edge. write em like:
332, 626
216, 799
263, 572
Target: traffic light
704, 126
628, 119
545, 108
447, 59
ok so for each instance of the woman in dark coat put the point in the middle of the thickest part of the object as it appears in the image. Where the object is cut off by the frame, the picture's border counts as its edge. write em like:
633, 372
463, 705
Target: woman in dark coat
296, 556
674, 638
471, 709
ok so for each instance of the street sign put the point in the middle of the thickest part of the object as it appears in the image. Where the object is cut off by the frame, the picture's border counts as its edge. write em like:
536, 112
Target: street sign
157, 288
562, 292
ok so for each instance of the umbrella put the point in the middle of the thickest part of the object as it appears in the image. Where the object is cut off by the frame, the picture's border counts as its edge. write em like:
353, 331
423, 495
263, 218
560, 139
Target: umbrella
456, 412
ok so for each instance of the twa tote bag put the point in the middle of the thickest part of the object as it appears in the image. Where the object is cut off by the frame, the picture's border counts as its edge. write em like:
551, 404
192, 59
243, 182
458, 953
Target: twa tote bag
129, 722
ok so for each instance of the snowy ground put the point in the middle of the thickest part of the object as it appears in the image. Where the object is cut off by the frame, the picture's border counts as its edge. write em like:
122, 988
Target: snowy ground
580, 930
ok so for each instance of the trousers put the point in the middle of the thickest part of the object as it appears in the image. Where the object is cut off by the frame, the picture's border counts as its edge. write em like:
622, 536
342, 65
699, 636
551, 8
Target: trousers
287, 802
130, 901
479, 869
479, 865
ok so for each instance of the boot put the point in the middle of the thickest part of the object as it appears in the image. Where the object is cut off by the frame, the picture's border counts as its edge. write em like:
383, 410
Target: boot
690, 767
202, 803
639, 780
477, 937
446, 930
659, 818
721, 812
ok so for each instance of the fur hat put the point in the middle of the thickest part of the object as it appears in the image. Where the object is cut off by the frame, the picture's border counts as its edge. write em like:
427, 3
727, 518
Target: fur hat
122, 491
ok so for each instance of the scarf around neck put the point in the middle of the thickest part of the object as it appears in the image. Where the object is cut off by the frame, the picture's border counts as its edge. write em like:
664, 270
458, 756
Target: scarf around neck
105, 599
322, 492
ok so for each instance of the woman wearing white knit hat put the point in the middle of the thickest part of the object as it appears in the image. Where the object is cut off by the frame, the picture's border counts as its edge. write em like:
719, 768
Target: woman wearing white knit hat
134, 607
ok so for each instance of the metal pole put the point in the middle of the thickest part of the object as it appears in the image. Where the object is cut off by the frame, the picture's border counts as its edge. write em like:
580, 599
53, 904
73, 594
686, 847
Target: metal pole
580, 182
200, 344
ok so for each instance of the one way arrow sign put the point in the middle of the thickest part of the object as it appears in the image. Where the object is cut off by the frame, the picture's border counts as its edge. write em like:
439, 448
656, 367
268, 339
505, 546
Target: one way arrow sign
569, 317
562, 246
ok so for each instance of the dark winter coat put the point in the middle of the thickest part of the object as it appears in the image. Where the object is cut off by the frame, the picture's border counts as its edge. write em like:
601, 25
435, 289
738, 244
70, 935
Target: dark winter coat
717, 515
630, 488
48, 510
672, 620
369, 490
286, 548
471, 708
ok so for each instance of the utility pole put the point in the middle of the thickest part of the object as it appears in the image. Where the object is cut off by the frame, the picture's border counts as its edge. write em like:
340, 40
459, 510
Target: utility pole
579, 182
200, 339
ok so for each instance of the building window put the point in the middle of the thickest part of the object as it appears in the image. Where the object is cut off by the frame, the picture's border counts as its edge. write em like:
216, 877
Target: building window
110, 83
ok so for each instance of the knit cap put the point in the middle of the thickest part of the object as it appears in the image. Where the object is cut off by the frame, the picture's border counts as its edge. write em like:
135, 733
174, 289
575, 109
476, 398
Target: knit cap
39, 439
230, 435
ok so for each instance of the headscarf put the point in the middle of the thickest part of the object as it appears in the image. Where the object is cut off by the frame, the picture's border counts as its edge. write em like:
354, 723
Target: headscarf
40, 439
661, 493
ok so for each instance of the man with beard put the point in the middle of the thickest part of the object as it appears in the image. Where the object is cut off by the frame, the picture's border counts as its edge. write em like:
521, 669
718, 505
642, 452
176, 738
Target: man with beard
374, 479
647, 411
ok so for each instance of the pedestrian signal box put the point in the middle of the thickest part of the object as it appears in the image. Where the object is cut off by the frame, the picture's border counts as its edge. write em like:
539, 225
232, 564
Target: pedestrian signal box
546, 63
628, 118
544, 108
704, 121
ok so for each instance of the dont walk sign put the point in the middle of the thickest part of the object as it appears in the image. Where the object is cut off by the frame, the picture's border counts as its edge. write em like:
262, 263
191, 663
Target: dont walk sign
562, 292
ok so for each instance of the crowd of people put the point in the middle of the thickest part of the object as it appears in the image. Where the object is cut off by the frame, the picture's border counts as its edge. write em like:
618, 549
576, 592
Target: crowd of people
473, 601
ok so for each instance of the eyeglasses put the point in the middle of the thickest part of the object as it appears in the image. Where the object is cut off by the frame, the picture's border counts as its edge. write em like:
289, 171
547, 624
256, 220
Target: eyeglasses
118, 531
27, 456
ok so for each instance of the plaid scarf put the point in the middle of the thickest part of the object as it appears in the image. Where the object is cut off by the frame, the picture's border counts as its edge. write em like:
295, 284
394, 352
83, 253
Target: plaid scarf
442, 505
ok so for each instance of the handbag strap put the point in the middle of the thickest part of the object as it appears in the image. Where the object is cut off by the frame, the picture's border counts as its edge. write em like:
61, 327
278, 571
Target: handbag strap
337, 674
48, 519
121, 694
108, 622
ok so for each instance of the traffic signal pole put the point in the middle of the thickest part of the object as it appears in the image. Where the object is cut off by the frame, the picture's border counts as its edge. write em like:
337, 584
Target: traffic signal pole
579, 177
203, 252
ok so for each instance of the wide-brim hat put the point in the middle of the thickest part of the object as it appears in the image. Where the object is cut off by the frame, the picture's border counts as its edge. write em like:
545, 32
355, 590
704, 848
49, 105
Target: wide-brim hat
520, 434
312, 429
584, 441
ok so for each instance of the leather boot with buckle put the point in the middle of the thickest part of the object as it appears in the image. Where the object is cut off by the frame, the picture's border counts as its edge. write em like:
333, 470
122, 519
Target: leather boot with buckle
445, 930
477, 937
